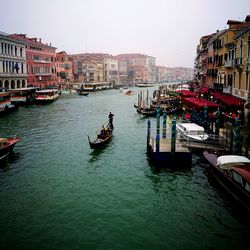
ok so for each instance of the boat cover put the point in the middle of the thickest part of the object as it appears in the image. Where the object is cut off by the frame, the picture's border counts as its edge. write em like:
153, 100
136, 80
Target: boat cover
229, 161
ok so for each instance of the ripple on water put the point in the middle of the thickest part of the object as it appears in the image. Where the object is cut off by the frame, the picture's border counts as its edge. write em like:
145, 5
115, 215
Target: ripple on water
58, 193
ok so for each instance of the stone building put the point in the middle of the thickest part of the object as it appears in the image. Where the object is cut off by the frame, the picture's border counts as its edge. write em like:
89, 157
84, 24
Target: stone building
13, 69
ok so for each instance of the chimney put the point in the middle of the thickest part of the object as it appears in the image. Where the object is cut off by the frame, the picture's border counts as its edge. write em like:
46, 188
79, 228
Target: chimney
50, 44
40, 40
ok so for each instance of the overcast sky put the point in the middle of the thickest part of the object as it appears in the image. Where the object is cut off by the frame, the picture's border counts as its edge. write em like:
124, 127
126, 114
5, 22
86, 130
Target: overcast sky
167, 29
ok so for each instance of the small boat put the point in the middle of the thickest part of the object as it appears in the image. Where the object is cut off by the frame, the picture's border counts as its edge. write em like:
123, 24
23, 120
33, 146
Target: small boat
102, 138
129, 92
232, 172
5, 104
7, 145
83, 93
46, 96
192, 131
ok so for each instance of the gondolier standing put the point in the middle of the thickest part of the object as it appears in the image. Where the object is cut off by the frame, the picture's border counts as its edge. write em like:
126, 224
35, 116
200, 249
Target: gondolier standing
111, 121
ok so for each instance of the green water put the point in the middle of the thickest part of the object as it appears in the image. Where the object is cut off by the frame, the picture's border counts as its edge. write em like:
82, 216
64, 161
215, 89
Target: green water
57, 193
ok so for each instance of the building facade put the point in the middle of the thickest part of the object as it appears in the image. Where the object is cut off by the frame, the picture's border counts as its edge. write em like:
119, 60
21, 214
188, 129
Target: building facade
227, 57
137, 68
13, 69
41, 61
64, 70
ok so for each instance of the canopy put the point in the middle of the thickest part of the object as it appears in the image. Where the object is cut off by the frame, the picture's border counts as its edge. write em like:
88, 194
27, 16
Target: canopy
200, 103
185, 93
227, 99
231, 100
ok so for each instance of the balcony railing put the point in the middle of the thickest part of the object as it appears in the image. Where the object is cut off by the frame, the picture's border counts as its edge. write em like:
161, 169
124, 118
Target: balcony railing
43, 74
13, 75
238, 61
41, 61
229, 63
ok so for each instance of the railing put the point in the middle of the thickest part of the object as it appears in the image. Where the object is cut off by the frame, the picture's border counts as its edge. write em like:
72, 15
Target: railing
229, 63
41, 61
238, 61
14, 75
43, 74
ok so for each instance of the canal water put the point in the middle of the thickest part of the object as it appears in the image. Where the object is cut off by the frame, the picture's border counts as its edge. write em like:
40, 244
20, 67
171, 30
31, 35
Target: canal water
57, 193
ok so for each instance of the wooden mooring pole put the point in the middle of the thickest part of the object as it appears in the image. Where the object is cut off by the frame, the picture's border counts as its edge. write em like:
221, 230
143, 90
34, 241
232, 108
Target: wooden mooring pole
173, 136
164, 122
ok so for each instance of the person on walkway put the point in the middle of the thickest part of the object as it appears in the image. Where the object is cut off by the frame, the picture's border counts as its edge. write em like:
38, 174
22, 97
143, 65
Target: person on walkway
111, 120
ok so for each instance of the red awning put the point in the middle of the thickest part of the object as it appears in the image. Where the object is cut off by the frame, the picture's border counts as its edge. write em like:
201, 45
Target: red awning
204, 90
185, 93
217, 95
231, 100
198, 103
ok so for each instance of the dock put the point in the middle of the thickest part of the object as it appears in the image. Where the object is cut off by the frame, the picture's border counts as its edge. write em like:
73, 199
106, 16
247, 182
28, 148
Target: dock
165, 151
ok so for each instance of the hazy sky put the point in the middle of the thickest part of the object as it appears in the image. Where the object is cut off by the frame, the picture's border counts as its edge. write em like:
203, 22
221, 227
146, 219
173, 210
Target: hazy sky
167, 29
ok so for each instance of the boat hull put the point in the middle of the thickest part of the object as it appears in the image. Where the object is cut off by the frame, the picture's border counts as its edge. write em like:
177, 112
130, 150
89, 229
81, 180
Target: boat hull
221, 176
6, 149
45, 100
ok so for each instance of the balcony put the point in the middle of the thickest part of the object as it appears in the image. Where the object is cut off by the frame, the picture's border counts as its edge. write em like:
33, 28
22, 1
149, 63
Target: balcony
13, 75
238, 62
41, 61
43, 74
229, 64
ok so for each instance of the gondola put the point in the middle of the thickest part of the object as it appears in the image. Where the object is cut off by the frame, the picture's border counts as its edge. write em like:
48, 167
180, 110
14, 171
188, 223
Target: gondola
103, 137
83, 93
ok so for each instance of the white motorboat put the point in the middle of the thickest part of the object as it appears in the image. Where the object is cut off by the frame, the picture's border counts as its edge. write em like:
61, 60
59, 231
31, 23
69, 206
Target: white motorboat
192, 131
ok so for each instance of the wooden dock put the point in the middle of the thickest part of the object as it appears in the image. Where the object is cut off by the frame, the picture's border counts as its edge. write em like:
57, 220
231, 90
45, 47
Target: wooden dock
166, 157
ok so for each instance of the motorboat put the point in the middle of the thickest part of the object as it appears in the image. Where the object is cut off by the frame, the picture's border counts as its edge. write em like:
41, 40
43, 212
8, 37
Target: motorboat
5, 103
46, 96
192, 131
7, 145
232, 172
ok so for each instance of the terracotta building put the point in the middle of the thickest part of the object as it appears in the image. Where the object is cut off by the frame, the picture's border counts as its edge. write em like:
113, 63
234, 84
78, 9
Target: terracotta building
64, 70
41, 61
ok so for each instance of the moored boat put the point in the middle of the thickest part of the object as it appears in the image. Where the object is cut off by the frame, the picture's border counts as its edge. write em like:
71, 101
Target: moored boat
7, 145
232, 172
23, 96
192, 131
5, 104
145, 84
46, 96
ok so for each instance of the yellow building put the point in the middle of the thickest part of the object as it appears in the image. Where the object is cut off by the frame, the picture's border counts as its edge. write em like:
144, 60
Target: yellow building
242, 64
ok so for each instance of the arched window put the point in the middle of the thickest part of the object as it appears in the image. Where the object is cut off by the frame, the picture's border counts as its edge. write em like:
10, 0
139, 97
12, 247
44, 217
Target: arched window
3, 66
6, 84
18, 84
23, 84
15, 51
12, 84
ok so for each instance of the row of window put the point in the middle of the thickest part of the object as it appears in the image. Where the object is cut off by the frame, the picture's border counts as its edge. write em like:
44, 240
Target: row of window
11, 50
41, 70
12, 67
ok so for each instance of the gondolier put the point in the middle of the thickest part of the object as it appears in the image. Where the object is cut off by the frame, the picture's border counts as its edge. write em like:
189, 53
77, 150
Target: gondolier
111, 120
